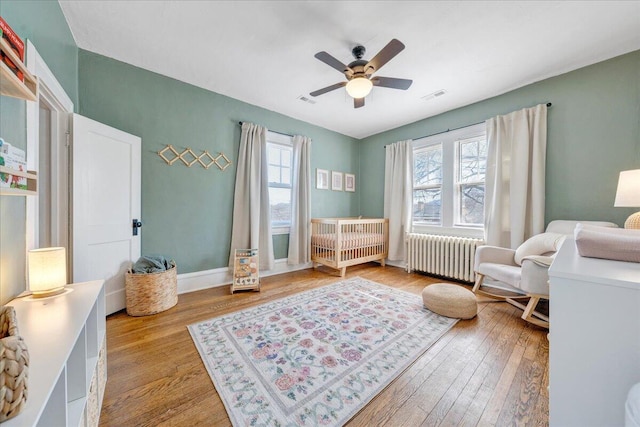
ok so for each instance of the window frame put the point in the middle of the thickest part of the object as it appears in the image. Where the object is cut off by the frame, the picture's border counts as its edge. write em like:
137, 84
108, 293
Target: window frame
286, 141
450, 223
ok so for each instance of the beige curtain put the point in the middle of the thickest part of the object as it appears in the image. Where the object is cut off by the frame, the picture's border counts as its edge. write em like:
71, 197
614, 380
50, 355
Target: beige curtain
398, 195
515, 177
300, 232
251, 211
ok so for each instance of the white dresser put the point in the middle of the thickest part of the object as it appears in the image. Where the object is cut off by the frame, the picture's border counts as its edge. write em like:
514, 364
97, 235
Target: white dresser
66, 339
594, 340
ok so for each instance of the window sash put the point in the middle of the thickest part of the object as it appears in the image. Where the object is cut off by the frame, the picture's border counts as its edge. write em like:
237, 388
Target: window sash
283, 145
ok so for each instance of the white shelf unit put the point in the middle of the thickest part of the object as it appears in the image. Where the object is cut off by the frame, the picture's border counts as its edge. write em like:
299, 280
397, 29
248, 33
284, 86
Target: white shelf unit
32, 183
594, 338
66, 338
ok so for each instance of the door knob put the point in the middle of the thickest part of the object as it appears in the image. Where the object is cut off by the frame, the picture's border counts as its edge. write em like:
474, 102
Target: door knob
136, 224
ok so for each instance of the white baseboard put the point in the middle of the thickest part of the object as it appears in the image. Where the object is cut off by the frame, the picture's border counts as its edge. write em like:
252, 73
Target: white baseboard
115, 301
399, 264
199, 280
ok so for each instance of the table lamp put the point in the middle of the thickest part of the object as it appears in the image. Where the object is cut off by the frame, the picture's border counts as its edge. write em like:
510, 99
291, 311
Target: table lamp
47, 271
628, 195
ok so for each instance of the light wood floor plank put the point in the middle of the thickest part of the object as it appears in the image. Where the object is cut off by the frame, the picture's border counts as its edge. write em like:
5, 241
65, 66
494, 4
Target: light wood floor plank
452, 405
156, 377
493, 364
497, 400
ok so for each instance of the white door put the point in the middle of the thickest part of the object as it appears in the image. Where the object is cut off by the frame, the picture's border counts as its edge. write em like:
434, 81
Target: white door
106, 201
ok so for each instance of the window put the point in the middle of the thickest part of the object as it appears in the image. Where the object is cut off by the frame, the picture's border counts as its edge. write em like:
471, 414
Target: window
427, 187
471, 165
448, 179
279, 155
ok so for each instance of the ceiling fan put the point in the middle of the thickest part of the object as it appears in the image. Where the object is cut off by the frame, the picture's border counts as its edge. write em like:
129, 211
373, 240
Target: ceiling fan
359, 72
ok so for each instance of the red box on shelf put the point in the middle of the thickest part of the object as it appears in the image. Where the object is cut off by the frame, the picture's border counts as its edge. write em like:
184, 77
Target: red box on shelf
16, 44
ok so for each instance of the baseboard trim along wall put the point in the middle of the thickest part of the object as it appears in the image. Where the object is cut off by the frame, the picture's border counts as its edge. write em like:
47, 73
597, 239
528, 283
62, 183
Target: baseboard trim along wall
199, 280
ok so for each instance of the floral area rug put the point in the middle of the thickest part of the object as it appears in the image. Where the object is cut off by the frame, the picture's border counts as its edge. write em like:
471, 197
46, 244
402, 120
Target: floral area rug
317, 357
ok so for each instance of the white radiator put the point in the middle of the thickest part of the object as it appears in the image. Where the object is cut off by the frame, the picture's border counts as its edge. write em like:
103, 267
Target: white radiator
447, 256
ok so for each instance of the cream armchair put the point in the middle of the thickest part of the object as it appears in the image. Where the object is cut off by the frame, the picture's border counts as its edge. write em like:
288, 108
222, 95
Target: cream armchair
525, 270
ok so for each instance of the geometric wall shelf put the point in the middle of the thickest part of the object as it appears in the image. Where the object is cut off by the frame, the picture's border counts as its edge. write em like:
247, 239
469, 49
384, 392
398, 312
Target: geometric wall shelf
189, 158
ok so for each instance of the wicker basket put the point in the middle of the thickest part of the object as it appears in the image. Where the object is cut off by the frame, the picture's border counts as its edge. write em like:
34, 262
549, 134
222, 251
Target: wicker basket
14, 366
151, 293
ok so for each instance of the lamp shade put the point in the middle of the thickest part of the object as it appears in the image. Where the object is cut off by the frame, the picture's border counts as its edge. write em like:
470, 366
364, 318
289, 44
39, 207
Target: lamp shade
47, 271
628, 194
359, 87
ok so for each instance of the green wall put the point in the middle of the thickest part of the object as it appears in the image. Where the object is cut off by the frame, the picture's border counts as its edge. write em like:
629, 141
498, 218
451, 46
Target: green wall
43, 23
593, 134
187, 212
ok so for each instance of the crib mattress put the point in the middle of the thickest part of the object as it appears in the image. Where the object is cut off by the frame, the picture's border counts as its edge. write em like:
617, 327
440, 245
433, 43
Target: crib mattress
349, 240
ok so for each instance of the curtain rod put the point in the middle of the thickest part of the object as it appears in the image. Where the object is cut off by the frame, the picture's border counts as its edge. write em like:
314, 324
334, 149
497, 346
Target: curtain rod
461, 127
274, 131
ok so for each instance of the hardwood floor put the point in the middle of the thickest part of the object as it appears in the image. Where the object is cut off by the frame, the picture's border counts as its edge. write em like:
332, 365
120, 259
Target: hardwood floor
491, 370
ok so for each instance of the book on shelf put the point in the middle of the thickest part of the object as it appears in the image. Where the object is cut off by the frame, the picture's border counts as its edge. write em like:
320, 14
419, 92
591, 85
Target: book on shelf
15, 43
14, 158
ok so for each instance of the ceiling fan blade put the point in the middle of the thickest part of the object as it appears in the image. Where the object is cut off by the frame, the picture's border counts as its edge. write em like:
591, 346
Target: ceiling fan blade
387, 53
391, 82
358, 102
333, 62
328, 89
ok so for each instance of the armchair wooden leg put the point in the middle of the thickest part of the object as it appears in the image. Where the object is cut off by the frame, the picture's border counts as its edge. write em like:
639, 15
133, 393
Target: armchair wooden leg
479, 279
529, 313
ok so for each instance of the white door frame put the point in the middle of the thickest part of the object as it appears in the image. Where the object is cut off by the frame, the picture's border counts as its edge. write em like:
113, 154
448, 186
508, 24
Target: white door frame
57, 100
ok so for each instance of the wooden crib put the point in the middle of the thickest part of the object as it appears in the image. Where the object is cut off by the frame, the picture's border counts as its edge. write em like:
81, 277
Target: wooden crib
341, 242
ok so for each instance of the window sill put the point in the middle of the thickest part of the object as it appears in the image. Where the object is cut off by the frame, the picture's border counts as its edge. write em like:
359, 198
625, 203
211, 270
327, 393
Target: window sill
280, 230
449, 231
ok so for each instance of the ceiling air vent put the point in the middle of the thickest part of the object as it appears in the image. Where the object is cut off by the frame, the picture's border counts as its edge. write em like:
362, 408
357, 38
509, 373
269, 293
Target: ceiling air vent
434, 94
305, 99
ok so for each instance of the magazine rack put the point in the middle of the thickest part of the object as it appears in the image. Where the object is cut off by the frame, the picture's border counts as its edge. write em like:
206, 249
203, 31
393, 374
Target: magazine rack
245, 271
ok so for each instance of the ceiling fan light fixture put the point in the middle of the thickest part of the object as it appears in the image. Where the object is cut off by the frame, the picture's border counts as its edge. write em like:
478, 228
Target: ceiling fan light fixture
359, 87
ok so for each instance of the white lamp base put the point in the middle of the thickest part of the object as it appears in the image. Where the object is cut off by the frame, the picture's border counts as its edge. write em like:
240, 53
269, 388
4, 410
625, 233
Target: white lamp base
633, 222
48, 293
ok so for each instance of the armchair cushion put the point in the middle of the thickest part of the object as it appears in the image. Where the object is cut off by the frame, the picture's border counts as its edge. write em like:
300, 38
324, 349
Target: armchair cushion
507, 274
540, 244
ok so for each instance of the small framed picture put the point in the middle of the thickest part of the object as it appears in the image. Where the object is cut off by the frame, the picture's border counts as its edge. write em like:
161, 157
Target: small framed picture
349, 182
336, 181
322, 179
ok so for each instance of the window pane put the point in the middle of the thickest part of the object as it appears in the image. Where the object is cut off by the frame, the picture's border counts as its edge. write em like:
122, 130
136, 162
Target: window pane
280, 201
472, 204
473, 160
274, 174
427, 166
427, 206
274, 155
286, 157
286, 176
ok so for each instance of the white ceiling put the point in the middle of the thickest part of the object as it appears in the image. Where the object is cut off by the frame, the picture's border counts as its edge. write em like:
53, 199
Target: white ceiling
262, 52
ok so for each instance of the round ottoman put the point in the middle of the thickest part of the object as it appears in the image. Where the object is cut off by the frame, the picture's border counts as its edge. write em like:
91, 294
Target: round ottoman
450, 300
